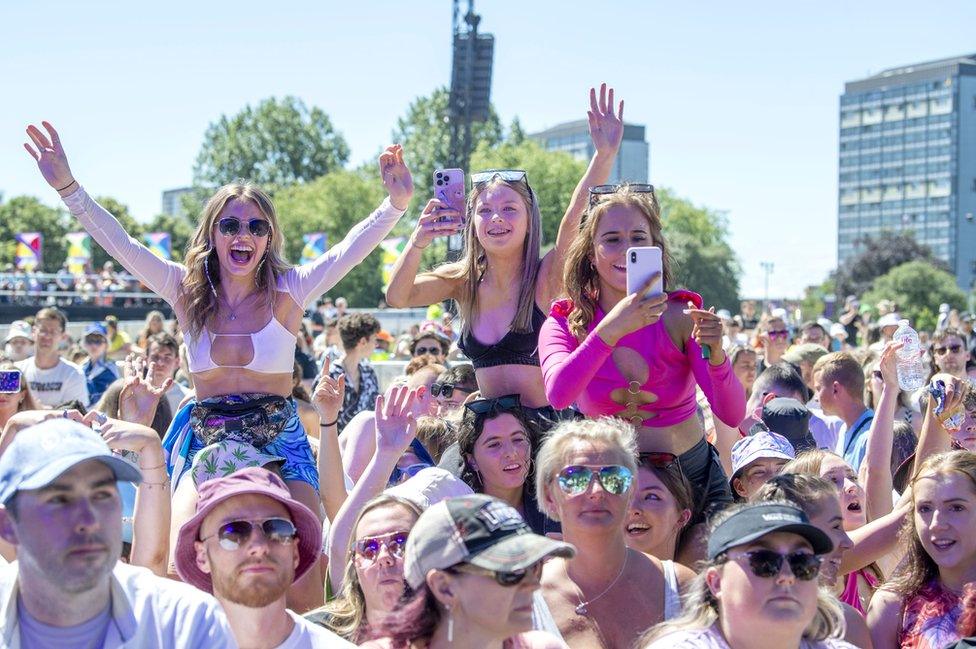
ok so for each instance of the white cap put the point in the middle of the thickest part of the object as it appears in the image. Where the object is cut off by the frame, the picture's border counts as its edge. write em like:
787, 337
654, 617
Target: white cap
890, 320
19, 329
763, 444
430, 486
837, 329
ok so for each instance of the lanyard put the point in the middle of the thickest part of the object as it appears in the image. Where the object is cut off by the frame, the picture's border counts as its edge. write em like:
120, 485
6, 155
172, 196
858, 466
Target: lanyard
847, 444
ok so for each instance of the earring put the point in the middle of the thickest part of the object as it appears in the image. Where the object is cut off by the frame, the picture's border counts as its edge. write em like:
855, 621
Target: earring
206, 271
450, 625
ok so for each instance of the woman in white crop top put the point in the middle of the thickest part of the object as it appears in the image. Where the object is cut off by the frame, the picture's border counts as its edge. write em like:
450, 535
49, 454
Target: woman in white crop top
239, 305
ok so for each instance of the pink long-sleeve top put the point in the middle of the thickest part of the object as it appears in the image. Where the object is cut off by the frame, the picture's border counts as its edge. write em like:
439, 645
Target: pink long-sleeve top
659, 384
274, 346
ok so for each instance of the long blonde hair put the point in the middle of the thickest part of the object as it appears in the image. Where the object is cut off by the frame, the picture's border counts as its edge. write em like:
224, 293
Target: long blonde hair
581, 279
473, 262
700, 607
197, 291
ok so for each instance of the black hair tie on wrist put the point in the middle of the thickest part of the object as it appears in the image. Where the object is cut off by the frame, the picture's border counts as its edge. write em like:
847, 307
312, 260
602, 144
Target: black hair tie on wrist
66, 186
331, 423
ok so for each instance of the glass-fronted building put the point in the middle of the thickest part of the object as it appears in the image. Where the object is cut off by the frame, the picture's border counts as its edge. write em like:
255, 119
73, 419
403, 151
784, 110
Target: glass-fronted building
632, 163
908, 160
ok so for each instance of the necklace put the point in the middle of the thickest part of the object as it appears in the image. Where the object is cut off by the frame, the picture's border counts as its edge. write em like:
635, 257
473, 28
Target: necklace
232, 315
581, 607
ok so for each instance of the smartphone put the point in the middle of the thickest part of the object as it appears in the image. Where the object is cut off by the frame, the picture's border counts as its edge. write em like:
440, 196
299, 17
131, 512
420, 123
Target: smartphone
10, 381
449, 189
643, 262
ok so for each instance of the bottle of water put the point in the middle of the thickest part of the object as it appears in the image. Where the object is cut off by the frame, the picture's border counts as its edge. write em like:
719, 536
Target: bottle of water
911, 373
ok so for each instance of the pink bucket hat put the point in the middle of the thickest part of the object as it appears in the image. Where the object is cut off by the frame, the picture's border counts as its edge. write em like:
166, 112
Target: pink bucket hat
252, 480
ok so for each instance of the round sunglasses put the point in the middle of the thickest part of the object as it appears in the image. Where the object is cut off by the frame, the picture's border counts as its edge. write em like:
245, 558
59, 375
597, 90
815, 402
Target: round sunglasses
767, 563
395, 543
576, 479
232, 535
230, 226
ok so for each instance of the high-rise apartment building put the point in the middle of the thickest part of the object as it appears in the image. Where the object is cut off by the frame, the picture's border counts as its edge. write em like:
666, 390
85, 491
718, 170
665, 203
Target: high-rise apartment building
173, 200
908, 160
574, 138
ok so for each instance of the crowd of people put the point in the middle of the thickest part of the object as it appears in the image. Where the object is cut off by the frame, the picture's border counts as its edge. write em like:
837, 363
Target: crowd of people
572, 464
107, 287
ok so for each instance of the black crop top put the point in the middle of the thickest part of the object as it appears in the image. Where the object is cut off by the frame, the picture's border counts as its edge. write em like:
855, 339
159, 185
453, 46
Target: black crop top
512, 349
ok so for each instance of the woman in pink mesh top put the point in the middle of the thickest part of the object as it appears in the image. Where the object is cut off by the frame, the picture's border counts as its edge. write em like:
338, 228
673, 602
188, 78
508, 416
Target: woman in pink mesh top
635, 357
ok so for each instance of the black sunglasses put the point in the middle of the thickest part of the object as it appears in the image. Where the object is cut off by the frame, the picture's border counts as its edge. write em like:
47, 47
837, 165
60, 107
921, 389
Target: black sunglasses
767, 564
231, 225
420, 351
234, 534
482, 406
658, 459
502, 578
955, 349
599, 191
446, 390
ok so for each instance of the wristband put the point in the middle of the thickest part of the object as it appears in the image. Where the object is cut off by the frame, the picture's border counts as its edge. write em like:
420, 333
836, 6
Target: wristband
66, 186
412, 243
330, 424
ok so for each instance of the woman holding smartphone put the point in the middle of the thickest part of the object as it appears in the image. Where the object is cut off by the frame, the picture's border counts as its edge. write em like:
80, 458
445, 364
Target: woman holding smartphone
500, 260
639, 355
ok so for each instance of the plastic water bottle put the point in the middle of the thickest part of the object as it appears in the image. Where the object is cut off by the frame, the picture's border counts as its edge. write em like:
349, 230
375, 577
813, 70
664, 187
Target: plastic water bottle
911, 373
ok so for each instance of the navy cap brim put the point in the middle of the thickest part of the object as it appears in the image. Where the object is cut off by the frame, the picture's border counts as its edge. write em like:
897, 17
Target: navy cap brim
123, 470
817, 538
519, 551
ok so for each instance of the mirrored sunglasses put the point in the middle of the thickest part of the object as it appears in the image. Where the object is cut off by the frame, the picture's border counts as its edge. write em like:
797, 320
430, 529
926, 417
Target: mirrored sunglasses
599, 191
395, 543
658, 459
508, 175
614, 478
232, 535
230, 226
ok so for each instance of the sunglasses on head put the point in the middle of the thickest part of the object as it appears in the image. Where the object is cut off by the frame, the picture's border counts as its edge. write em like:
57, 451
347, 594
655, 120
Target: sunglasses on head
234, 534
482, 406
599, 191
508, 175
576, 479
767, 563
394, 542
420, 351
446, 390
782, 334
502, 578
231, 225
658, 459
399, 475
955, 349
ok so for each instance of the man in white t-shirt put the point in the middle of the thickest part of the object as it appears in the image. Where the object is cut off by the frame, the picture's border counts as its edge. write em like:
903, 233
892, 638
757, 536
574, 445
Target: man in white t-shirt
247, 543
52, 380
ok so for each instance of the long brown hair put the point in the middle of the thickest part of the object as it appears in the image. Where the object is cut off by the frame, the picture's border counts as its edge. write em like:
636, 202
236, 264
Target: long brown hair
581, 279
197, 291
474, 262
918, 568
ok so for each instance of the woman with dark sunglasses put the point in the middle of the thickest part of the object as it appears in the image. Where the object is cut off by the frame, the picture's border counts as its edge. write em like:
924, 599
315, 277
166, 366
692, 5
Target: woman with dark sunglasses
472, 566
497, 445
240, 305
608, 594
501, 285
759, 587
635, 356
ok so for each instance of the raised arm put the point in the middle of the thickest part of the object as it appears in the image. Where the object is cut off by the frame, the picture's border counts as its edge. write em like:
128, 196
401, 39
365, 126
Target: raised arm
934, 438
161, 276
395, 429
876, 466
305, 283
327, 400
606, 131
408, 286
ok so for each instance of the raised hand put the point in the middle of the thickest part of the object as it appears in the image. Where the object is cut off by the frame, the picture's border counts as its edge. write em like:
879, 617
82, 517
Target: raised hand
139, 397
707, 332
396, 425
328, 396
396, 176
888, 365
49, 155
123, 436
437, 220
606, 127
634, 312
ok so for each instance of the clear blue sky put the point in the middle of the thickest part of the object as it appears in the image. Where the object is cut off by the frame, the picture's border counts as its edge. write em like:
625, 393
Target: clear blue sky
740, 99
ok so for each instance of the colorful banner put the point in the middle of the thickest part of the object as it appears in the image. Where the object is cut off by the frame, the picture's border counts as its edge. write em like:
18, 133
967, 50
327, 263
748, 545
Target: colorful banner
391, 252
159, 243
27, 255
315, 245
79, 252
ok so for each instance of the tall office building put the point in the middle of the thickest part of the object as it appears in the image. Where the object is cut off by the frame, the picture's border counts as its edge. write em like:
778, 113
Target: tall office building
574, 138
908, 160
173, 200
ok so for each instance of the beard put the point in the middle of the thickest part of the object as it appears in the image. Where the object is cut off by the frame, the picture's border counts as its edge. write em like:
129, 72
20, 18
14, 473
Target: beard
253, 591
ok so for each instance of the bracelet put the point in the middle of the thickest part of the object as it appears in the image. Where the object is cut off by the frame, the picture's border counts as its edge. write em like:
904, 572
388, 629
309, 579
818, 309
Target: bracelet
66, 186
150, 468
164, 483
330, 424
412, 243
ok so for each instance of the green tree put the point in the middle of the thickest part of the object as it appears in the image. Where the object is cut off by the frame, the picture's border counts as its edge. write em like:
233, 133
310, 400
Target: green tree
553, 175
180, 230
333, 204
133, 227
704, 261
278, 142
878, 255
918, 288
27, 214
516, 135
425, 133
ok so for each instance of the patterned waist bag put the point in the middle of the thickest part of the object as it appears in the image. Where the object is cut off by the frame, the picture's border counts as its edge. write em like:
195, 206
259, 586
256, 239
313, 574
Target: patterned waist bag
252, 418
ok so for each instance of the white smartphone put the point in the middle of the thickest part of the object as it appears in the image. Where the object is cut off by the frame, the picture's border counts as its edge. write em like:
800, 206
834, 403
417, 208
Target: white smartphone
642, 263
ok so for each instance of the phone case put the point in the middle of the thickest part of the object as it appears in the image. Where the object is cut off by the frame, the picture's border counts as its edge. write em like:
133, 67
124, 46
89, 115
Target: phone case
10, 381
643, 262
449, 188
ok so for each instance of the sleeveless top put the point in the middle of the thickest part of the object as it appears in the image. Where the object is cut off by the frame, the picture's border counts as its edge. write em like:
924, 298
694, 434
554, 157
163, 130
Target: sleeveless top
929, 618
513, 349
851, 595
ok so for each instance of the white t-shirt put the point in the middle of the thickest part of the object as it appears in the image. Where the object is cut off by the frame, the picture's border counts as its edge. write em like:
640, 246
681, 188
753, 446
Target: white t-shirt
175, 397
306, 635
62, 383
711, 638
